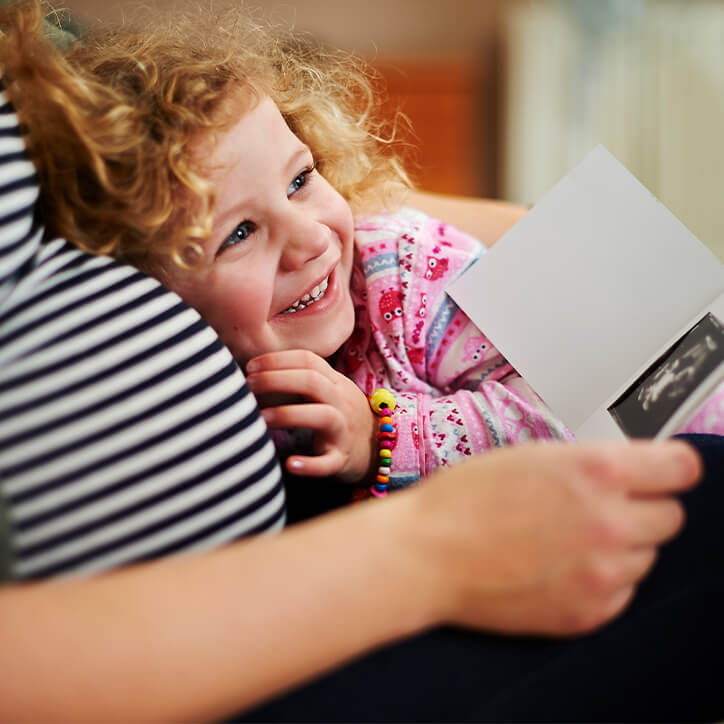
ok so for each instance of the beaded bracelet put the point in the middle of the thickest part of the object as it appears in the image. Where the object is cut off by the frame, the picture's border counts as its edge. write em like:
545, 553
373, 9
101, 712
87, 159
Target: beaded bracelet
383, 403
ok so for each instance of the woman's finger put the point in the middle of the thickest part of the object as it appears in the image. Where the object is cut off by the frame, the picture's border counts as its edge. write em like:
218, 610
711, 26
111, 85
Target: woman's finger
605, 574
653, 521
645, 468
637, 563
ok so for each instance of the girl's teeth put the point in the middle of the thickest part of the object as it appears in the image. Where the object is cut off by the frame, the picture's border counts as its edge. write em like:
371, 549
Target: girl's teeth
313, 296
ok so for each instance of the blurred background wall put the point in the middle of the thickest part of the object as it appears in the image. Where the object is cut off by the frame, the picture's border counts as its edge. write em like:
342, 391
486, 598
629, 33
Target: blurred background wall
506, 96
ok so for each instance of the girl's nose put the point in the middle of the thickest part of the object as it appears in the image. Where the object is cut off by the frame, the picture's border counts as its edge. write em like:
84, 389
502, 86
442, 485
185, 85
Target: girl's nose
306, 240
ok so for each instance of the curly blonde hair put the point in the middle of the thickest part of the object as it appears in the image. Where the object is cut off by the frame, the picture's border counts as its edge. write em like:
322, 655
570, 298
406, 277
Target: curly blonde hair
113, 120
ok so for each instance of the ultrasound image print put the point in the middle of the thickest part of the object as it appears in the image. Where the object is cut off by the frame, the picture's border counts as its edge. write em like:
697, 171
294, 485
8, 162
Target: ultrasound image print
655, 396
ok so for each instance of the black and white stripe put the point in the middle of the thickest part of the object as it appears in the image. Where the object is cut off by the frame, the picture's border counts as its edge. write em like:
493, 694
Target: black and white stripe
19, 236
126, 428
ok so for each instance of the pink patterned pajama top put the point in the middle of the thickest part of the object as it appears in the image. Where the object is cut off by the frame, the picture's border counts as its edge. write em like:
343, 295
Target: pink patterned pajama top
456, 394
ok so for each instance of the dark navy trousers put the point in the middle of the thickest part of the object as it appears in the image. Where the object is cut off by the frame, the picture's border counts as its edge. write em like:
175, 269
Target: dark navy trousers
662, 660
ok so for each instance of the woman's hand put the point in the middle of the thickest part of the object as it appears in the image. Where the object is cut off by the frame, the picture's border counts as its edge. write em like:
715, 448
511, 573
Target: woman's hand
299, 389
547, 538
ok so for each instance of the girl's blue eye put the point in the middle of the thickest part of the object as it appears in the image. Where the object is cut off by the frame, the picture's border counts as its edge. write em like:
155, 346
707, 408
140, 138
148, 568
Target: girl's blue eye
241, 233
299, 181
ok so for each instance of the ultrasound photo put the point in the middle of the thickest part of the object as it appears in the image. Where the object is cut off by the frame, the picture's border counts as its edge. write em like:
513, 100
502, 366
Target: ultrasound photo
651, 401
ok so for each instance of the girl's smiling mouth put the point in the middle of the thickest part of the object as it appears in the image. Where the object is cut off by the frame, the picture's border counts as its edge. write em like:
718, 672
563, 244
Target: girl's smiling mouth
324, 289
312, 296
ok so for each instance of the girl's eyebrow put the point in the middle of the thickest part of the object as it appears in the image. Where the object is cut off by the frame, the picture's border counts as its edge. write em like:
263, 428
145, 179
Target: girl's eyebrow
297, 157
233, 212
229, 216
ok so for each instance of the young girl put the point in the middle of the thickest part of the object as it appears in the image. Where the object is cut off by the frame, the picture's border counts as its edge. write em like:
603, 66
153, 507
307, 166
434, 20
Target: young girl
243, 168
287, 271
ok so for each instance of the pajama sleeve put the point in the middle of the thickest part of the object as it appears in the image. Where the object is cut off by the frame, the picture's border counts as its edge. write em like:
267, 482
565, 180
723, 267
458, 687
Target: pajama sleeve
457, 396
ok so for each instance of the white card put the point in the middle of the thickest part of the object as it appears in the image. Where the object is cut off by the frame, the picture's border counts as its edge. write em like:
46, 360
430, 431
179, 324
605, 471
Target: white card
589, 288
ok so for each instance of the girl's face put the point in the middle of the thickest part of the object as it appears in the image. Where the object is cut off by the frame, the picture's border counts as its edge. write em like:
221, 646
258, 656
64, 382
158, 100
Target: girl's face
278, 261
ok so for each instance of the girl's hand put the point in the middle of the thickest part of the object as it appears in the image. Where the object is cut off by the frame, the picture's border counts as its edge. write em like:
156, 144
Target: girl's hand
299, 389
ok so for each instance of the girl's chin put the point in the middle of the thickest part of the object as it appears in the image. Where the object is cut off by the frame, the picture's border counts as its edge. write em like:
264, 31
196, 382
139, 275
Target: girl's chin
327, 338
331, 339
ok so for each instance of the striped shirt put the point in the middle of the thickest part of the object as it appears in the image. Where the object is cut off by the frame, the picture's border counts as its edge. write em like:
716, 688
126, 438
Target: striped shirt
127, 430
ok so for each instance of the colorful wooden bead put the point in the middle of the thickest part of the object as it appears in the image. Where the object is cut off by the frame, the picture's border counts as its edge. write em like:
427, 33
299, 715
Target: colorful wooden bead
381, 399
383, 403
387, 435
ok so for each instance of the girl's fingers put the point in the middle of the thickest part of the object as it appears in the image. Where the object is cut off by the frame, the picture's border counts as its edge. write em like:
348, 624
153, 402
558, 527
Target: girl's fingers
310, 384
288, 359
315, 416
318, 417
318, 466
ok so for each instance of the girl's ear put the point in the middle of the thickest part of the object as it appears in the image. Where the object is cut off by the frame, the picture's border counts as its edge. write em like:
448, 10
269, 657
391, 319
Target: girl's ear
175, 272
156, 265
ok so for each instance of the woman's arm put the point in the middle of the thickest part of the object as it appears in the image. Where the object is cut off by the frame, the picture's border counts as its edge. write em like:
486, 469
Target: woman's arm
198, 637
482, 544
485, 219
